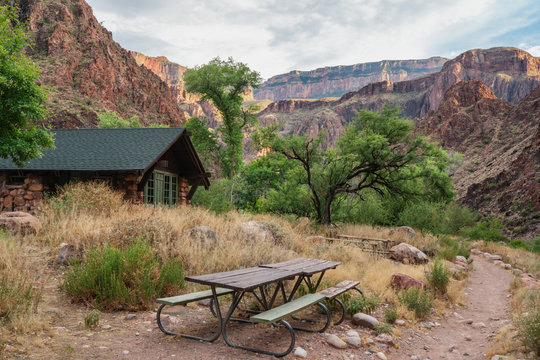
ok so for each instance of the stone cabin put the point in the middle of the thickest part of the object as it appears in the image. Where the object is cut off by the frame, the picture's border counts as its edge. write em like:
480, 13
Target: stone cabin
148, 165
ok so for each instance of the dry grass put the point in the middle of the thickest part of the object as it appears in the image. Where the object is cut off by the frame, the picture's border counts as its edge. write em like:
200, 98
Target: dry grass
523, 259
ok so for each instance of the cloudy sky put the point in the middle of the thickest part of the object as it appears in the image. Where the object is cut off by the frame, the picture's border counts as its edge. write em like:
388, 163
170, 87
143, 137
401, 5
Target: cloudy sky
277, 36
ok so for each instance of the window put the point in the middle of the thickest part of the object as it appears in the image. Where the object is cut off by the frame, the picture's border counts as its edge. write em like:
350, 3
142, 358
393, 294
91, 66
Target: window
161, 188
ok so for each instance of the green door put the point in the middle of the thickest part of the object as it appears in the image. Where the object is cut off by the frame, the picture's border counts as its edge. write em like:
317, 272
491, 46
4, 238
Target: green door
161, 188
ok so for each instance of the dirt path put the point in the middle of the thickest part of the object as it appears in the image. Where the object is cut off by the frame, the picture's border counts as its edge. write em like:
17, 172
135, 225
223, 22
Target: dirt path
467, 333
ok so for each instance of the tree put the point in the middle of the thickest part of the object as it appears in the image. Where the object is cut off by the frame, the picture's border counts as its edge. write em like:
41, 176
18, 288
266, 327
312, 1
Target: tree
21, 99
377, 152
223, 83
111, 120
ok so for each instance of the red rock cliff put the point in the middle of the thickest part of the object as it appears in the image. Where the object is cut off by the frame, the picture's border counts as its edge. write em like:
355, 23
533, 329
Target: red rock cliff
338, 80
89, 72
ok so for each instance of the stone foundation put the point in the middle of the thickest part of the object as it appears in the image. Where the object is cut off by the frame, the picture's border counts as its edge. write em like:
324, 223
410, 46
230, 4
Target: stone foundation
183, 190
23, 197
128, 184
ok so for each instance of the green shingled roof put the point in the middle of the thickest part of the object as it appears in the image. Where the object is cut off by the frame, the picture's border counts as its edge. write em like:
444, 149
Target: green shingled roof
102, 149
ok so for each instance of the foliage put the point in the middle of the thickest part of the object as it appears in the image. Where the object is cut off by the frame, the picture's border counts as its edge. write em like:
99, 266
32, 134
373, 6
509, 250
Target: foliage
529, 330
91, 319
383, 328
377, 152
221, 197
490, 230
111, 120
205, 142
451, 248
129, 278
222, 82
390, 314
21, 99
532, 246
361, 304
418, 300
438, 277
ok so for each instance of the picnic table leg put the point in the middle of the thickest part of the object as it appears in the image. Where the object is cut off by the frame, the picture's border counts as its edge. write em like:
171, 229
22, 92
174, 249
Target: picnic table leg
236, 300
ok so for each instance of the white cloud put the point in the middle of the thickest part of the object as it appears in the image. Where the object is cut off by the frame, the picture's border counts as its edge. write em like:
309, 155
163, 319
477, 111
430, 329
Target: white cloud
276, 36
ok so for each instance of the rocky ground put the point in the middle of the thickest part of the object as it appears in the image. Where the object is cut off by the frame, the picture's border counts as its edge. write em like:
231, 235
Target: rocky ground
464, 334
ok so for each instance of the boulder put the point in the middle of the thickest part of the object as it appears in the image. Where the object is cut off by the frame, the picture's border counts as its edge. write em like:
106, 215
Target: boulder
365, 320
407, 230
68, 254
406, 251
402, 281
476, 252
336, 341
203, 235
461, 259
19, 221
256, 231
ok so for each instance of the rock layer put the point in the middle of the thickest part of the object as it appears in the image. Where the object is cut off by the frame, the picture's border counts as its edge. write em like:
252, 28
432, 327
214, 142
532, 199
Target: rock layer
338, 80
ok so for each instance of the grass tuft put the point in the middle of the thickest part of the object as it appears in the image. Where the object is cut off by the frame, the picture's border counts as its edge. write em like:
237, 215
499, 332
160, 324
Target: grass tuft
417, 300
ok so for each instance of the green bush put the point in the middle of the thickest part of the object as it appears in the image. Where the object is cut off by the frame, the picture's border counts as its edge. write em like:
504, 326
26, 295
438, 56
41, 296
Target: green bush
221, 197
91, 320
383, 328
489, 231
439, 277
529, 330
390, 314
130, 278
417, 300
361, 304
451, 248
425, 216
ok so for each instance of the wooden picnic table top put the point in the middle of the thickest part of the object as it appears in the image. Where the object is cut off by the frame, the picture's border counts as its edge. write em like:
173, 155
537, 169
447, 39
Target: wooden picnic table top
243, 279
304, 266
250, 278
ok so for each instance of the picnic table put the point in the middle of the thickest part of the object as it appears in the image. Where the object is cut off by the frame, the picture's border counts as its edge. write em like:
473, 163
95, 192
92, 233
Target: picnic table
265, 283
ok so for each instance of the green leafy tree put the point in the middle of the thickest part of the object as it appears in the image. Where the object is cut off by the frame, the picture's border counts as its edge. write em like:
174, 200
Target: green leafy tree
222, 82
21, 99
377, 152
205, 142
111, 120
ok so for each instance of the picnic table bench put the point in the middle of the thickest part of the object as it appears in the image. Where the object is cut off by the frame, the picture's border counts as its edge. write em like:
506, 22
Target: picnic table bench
265, 283
373, 245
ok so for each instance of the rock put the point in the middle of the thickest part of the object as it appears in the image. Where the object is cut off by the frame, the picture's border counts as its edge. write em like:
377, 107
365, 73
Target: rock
402, 281
414, 357
461, 259
130, 317
204, 302
502, 243
399, 322
365, 320
407, 230
467, 337
384, 339
452, 348
299, 352
336, 341
354, 341
517, 272
19, 221
462, 264
476, 252
68, 254
203, 235
9, 348
125, 352
256, 231
405, 261
507, 266
493, 258
404, 250
352, 333
500, 357
478, 325
106, 327
381, 355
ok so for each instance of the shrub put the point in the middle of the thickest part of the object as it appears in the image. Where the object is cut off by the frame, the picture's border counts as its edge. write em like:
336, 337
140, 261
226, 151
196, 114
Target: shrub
361, 304
417, 300
451, 248
91, 320
221, 197
390, 314
439, 277
489, 231
383, 328
129, 278
529, 330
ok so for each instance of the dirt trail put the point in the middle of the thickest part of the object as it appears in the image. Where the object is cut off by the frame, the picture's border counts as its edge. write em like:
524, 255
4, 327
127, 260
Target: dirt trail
469, 330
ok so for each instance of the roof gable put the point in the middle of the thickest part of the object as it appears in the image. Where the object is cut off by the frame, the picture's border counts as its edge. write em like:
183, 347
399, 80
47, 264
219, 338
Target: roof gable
102, 149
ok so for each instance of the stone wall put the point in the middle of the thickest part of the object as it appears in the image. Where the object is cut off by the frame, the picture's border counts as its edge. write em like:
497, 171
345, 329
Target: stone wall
183, 190
23, 197
128, 184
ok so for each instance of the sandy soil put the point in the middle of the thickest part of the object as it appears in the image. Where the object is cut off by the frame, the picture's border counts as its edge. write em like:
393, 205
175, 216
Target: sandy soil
118, 338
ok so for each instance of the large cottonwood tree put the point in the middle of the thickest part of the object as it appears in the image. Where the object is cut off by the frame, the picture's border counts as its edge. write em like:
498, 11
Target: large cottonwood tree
21, 98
